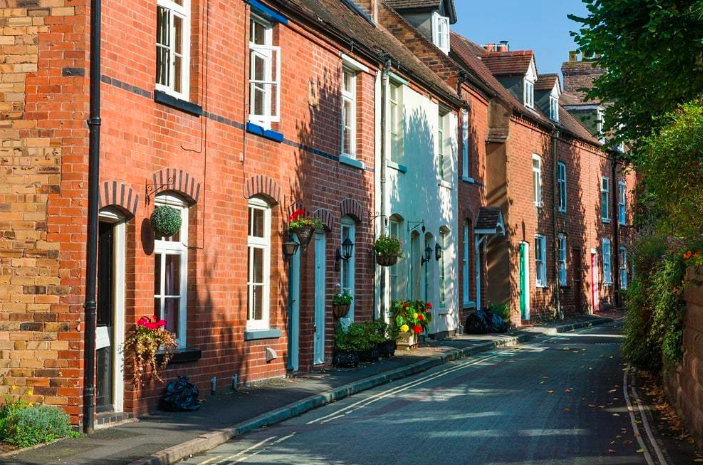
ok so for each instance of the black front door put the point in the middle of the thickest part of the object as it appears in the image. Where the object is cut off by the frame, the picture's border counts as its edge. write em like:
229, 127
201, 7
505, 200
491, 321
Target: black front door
106, 299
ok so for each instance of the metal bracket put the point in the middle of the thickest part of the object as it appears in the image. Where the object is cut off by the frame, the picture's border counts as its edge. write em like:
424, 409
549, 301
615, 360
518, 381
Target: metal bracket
153, 189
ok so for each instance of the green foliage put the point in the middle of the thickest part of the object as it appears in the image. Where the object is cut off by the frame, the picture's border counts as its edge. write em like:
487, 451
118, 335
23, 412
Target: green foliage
360, 337
302, 222
165, 221
34, 425
344, 298
502, 310
653, 50
411, 316
386, 246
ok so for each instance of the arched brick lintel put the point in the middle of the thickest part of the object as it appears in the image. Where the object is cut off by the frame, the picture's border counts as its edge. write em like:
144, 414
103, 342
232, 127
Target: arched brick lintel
468, 214
264, 186
118, 195
326, 217
352, 208
179, 181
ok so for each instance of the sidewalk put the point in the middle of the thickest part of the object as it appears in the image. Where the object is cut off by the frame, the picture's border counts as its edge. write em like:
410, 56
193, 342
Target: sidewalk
165, 438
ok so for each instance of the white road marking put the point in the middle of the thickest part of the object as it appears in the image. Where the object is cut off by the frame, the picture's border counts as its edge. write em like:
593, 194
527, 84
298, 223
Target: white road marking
652, 439
238, 454
635, 429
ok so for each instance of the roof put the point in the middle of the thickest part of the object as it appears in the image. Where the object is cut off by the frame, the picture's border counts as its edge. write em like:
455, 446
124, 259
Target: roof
508, 63
546, 81
336, 16
490, 221
422, 4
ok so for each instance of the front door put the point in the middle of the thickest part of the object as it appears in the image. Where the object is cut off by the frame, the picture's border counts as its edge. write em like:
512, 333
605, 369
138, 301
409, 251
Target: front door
578, 277
320, 297
294, 335
525, 280
595, 282
106, 306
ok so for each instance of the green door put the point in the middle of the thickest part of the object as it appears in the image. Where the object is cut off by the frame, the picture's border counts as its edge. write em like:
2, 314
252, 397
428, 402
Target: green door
525, 280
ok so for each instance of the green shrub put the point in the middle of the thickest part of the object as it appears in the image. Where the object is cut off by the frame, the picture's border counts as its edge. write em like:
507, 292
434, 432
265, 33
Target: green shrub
35, 425
502, 310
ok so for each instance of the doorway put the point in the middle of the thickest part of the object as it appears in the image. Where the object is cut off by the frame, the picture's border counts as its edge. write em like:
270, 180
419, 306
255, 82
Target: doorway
578, 277
525, 281
294, 311
595, 281
109, 392
320, 297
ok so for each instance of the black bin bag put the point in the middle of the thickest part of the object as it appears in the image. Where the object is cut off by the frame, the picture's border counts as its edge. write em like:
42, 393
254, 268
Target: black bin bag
483, 321
180, 396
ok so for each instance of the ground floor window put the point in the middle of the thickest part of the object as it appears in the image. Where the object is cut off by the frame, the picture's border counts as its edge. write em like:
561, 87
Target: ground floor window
258, 264
541, 260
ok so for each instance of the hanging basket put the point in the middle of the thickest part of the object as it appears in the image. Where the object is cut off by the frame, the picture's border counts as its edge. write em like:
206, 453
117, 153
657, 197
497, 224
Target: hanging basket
165, 221
387, 260
340, 311
305, 235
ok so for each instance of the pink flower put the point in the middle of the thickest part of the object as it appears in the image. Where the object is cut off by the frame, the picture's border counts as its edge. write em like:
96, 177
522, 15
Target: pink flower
296, 214
161, 323
151, 325
143, 321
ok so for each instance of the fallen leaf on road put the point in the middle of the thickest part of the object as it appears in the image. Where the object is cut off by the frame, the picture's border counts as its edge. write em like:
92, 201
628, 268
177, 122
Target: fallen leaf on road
591, 406
611, 451
567, 410
619, 437
567, 390
616, 414
550, 391
640, 451
612, 443
627, 442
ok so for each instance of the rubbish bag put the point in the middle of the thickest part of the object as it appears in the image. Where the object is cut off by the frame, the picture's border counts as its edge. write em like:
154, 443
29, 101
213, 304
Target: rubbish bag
180, 396
483, 321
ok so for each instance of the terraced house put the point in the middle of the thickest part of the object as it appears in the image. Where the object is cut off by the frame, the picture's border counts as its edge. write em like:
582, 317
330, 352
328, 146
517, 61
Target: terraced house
369, 116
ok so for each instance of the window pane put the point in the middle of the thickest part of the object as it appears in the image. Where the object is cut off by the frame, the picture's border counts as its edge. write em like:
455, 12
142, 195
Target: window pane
171, 305
162, 41
173, 275
157, 307
257, 256
178, 33
256, 222
162, 26
157, 276
256, 305
258, 33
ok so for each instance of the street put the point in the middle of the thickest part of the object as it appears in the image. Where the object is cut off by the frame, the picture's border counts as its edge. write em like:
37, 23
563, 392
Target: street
556, 400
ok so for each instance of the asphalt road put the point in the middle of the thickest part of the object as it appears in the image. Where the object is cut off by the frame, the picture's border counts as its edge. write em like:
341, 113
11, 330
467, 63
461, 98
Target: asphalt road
557, 400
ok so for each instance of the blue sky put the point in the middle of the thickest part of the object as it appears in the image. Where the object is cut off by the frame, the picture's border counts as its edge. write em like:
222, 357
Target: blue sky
540, 25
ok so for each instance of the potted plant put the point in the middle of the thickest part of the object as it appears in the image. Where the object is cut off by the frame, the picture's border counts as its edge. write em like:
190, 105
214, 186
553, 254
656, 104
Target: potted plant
345, 349
341, 302
165, 221
368, 339
303, 227
149, 337
387, 250
411, 318
388, 336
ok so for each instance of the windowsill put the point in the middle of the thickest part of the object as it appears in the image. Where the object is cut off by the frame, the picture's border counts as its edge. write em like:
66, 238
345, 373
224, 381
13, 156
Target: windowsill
353, 162
265, 133
539, 205
469, 305
397, 166
542, 286
562, 211
468, 179
605, 221
445, 184
259, 334
174, 102
185, 355
608, 284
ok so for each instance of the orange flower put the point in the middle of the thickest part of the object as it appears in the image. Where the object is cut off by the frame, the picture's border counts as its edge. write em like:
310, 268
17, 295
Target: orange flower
698, 252
687, 255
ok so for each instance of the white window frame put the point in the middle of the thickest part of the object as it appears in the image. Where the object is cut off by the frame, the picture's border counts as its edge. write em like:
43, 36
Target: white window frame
607, 262
396, 131
466, 263
349, 96
529, 93
184, 13
563, 266
165, 247
465, 159
624, 284
268, 53
349, 224
537, 180
440, 32
394, 282
600, 120
263, 243
444, 158
605, 199
622, 202
554, 108
562, 185
540, 260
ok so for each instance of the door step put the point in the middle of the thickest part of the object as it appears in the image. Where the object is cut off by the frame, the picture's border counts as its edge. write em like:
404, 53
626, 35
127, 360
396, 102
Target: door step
106, 419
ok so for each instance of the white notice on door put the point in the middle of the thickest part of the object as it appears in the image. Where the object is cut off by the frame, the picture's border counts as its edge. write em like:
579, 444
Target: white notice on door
102, 337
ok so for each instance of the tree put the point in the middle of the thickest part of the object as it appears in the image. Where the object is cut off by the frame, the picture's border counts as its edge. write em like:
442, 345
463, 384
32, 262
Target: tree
653, 51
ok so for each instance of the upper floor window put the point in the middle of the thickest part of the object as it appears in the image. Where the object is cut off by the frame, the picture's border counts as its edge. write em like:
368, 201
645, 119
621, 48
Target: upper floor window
529, 94
440, 32
349, 113
445, 161
605, 199
607, 263
561, 185
465, 161
264, 74
600, 120
396, 122
541, 260
622, 202
554, 109
443, 265
171, 272
562, 260
537, 179
173, 47
259, 264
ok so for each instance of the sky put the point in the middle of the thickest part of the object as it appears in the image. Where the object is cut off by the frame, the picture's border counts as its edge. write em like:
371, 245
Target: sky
539, 25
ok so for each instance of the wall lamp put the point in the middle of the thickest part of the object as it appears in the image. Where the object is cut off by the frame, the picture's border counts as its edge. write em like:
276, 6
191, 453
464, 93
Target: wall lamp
428, 255
345, 254
437, 252
290, 248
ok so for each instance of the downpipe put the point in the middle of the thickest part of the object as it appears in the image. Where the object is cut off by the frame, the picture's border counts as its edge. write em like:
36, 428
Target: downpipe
555, 234
385, 80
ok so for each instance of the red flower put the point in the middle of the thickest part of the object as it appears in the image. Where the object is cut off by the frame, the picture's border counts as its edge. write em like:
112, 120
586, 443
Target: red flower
417, 329
428, 306
420, 317
161, 324
296, 214
151, 325
698, 252
406, 304
143, 321
687, 255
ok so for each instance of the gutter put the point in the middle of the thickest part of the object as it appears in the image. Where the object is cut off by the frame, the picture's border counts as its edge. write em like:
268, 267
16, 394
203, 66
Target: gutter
92, 239
555, 234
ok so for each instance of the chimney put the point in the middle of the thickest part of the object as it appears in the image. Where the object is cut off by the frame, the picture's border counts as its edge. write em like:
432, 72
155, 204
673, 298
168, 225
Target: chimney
504, 46
490, 47
573, 56
369, 6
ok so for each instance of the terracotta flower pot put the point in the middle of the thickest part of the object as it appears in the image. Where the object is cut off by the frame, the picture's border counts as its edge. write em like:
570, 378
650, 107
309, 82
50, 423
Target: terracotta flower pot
387, 260
340, 311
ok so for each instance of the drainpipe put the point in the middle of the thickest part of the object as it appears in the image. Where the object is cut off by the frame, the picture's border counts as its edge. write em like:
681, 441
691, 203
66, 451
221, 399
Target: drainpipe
555, 234
478, 241
92, 239
616, 230
384, 150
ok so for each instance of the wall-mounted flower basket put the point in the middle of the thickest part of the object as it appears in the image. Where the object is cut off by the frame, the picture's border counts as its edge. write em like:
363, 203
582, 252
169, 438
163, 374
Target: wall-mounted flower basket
149, 336
341, 303
303, 227
386, 249
340, 311
165, 221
